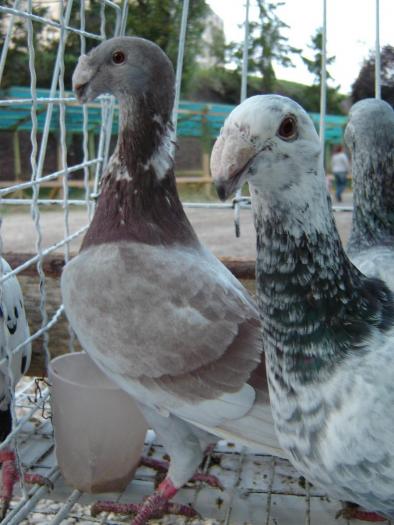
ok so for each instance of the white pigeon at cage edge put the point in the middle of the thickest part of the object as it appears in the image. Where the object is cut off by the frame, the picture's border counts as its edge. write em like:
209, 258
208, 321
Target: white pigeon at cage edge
14, 330
157, 312
328, 329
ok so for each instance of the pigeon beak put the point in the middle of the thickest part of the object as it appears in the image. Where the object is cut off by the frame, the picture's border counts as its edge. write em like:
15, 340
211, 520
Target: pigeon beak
230, 159
82, 75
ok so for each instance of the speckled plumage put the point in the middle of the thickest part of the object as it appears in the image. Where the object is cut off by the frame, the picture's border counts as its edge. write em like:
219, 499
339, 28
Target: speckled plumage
369, 135
328, 329
157, 312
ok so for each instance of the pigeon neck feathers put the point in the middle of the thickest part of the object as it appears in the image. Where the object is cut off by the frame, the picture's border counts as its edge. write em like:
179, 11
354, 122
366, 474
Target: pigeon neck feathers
138, 200
316, 307
373, 198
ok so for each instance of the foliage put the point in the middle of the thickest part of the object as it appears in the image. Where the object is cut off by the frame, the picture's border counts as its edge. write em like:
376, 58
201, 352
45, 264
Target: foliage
222, 85
310, 99
216, 84
267, 45
311, 94
156, 20
159, 21
314, 64
16, 71
46, 42
364, 85
215, 48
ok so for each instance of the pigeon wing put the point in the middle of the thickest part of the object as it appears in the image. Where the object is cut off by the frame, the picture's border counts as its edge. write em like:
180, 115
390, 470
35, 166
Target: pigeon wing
173, 319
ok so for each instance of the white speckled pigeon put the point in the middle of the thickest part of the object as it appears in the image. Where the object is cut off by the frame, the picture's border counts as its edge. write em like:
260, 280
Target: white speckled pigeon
156, 311
328, 330
16, 329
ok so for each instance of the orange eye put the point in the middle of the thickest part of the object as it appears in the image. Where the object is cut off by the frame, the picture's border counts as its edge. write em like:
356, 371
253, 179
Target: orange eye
118, 57
288, 129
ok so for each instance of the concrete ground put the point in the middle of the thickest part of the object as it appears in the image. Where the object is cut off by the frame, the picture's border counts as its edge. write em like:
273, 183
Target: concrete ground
215, 228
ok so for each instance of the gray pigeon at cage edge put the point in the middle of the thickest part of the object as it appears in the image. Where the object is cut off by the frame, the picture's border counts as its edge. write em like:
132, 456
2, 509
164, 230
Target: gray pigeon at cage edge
14, 331
328, 329
369, 136
156, 311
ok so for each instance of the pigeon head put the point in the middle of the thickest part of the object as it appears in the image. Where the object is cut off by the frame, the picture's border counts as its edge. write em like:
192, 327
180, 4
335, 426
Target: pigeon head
138, 199
128, 68
371, 125
268, 140
369, 136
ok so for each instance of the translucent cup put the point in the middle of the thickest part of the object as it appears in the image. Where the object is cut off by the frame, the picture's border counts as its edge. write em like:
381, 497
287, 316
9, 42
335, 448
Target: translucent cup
99, 430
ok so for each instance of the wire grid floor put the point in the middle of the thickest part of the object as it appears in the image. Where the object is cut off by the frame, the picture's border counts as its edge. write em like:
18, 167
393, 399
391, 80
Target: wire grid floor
258, 489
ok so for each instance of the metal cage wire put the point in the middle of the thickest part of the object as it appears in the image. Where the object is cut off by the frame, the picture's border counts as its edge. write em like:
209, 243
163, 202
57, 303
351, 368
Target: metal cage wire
23, 10
240, 468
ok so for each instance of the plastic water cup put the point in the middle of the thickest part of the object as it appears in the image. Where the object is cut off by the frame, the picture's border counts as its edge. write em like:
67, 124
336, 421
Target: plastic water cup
99, 429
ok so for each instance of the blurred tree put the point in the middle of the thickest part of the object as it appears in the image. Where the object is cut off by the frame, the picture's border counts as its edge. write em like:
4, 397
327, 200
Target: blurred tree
311, 93
16, 71
218, 46
216, 84
364, 85
160, 20
156, 20
213, 48
267, 45
314, 64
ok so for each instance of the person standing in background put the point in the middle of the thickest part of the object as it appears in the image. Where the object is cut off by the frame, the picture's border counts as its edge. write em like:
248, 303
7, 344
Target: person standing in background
340, 166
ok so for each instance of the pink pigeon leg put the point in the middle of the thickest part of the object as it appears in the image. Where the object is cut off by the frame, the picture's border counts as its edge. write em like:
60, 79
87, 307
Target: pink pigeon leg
155, 464
209, 479
355, 512
163, 466
185, 446
10, 476
153, 507
156, 502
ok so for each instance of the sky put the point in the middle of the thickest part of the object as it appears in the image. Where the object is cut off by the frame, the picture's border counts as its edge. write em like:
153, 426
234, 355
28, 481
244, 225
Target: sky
350, 32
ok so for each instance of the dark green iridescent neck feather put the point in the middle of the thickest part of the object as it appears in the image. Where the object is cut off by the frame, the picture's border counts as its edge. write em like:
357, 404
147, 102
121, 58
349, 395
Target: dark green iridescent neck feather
373, 199
316, 307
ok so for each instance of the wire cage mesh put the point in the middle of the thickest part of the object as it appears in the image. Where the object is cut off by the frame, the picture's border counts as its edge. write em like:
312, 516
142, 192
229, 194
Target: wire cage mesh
258, 489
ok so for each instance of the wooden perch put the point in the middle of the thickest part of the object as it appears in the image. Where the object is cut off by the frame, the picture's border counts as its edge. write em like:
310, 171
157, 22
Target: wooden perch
53, 265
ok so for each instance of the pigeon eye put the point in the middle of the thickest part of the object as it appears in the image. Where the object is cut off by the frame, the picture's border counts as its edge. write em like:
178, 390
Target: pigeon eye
118, 57
288, 129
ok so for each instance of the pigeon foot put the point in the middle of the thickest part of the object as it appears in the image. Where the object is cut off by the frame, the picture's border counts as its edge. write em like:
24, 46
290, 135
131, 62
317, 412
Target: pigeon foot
163, 466
351, 511
155, 506
10, 476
